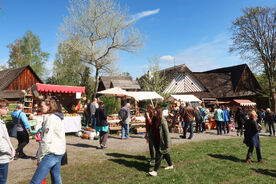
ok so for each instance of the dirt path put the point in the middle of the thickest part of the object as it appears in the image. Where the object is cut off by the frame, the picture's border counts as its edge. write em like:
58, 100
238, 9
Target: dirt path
80, 150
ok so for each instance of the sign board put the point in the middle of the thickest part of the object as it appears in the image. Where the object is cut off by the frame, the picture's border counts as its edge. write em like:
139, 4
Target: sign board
78, 95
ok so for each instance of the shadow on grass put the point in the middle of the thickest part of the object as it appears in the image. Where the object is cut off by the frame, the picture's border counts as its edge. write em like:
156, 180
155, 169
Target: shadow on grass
215, 133
140, 166
266, 172
119, 155
82, 145
226, 157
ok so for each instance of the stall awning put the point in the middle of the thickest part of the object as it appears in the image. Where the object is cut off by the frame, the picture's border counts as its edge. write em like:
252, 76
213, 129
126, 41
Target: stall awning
113, 92
184, 98
144, 95
244, 102
58, 88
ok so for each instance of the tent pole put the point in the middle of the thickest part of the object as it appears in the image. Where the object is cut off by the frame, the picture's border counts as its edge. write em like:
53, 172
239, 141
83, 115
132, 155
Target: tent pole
136, 107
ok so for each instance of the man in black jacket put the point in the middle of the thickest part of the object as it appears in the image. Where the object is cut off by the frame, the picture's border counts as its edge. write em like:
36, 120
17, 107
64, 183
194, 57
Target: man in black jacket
269, 119
240, 119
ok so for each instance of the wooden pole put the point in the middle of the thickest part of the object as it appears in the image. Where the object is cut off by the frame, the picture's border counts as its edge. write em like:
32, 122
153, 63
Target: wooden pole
136, 108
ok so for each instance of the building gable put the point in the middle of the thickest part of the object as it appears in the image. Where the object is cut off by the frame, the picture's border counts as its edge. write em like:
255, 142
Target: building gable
24, 81
184, 83
248, 82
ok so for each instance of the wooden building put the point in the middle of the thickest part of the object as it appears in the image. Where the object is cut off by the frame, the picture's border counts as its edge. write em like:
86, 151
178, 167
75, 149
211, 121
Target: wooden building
223, 84
15, 80
124, 82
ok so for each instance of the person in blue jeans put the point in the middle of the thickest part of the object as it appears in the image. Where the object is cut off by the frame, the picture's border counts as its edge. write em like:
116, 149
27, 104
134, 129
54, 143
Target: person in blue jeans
53, 143
188, 117
124, 116
219, 120
6, 149
226, 119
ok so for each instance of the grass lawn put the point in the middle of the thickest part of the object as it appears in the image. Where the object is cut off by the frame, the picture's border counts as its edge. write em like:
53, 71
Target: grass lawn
216, 161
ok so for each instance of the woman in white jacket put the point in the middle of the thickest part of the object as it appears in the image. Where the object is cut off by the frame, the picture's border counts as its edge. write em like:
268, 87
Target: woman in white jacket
53, 144
6, 149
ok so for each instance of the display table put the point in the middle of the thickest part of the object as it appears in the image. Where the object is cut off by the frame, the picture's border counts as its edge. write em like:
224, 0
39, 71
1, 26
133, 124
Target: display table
72, 123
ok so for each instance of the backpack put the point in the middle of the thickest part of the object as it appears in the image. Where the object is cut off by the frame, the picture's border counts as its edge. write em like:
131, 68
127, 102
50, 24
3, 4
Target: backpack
123, 114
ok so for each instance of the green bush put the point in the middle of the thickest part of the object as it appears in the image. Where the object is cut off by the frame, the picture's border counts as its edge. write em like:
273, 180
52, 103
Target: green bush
111, 104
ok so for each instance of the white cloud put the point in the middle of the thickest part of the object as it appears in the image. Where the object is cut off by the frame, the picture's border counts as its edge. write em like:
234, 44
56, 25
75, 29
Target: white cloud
207, 55
167, 58
144, 14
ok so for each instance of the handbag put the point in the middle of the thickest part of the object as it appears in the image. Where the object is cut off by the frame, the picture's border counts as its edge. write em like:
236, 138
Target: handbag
64, 159
13, 131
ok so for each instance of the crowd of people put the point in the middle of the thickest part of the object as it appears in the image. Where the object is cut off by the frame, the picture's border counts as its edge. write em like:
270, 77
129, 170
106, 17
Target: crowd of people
224, 117
52, 146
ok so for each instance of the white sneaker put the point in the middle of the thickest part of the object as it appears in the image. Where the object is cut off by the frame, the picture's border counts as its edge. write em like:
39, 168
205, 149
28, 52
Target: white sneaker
169, 167
153, 173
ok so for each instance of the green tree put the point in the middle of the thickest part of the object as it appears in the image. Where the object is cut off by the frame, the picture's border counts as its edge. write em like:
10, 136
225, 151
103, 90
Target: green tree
69, 70
27, 51
97, 29
254, 35
154, 79
87, 81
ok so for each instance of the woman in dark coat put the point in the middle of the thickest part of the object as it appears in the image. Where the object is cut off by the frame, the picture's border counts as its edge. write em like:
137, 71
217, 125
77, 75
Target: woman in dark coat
251, 137
101, 124
240, 119
161, 140
148, 116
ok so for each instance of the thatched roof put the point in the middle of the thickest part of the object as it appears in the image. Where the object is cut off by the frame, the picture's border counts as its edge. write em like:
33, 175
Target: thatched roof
123, 82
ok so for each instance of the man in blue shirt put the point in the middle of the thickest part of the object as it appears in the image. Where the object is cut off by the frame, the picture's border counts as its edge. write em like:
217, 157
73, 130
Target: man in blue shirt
23, 127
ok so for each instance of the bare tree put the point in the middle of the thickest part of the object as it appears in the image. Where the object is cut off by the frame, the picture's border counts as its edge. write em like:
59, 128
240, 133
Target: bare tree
254, 36
98, 29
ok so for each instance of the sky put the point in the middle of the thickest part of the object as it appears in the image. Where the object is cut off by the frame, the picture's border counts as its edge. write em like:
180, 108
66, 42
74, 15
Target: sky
191, 32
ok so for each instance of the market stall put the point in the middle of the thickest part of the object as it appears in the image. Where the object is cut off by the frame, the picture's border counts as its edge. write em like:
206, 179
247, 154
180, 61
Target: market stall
247, 104
184, 98
137, 121
69, 97
173, 116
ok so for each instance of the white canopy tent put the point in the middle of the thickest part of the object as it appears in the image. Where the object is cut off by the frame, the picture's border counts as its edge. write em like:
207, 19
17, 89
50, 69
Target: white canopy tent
145, 95
185, 98
114, 92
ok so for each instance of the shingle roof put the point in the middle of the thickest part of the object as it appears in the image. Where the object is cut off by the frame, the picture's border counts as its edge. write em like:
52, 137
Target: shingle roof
220, 84
9, 75
223, 82
123, 82
235, 71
